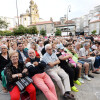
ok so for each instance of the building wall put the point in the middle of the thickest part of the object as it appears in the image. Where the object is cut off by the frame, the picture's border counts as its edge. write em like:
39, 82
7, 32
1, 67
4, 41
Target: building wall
79, 24
84, 23
25, 21
48, 27
94, 26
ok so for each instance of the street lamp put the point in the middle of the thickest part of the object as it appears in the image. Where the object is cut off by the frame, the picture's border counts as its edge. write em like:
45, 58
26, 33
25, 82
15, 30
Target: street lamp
17, 11
68, 10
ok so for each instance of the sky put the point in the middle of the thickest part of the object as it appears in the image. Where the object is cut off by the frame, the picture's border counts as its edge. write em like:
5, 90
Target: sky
49, 8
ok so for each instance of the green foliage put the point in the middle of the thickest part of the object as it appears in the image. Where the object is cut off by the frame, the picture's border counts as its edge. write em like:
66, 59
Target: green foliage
6, 33
58, 32
43, 32
33, 30
94, 32
3, 24
21, 30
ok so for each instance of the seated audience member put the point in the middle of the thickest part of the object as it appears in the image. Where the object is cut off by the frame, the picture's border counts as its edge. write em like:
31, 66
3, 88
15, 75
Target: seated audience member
57, 73
87, 63
40, 78
22, 53
40, 46
75, 57
4, 60
25, 44
72, 70
13, 47
43, 50
16, 70
34, 47
85, 53
54, 48
96, 52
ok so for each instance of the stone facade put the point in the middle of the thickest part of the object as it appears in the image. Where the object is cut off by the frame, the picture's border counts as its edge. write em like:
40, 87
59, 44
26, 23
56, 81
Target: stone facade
46, 25
30, 17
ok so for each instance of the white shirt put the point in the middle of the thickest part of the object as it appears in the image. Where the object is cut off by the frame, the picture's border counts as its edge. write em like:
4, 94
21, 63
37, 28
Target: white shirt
23, 56
83, 52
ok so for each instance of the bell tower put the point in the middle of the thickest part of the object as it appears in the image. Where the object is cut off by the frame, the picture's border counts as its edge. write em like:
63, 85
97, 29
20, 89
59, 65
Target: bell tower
34, 15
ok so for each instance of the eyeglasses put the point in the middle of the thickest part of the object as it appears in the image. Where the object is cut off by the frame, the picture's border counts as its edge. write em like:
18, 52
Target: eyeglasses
14, 56
4, 48
50, 49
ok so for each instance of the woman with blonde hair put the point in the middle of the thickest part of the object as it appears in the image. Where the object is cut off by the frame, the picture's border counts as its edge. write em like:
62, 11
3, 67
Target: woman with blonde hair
17, 78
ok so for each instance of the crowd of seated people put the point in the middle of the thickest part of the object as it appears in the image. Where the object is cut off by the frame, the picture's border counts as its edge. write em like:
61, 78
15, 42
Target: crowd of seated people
32, 61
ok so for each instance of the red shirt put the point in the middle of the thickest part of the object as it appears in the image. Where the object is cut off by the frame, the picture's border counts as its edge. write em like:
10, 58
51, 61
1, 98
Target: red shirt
37, 54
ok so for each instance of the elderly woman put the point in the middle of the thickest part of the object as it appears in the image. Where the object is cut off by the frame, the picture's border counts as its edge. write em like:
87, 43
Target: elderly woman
40, 78
16, 71
4, 60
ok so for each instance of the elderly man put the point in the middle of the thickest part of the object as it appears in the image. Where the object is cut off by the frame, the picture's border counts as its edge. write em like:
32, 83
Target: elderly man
40, 78
85, 54
57, 73
75, 57
83, 59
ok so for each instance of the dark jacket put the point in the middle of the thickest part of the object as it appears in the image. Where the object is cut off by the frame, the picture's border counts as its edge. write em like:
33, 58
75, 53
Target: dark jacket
35, 69
10, 70
20, 57
3, 63
43, 51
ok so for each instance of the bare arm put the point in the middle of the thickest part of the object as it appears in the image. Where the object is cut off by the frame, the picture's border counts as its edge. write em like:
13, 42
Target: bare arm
64, 58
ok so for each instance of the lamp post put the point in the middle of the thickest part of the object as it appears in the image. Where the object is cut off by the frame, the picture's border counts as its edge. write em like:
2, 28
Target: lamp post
17, 12
68, 10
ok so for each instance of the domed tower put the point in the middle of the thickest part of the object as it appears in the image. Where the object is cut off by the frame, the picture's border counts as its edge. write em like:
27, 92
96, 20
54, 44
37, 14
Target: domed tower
34, 15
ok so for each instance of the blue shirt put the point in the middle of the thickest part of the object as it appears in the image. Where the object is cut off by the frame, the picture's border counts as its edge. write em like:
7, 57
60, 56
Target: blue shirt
47, 58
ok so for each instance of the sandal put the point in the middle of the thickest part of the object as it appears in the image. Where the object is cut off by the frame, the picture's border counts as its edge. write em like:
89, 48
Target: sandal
74, 89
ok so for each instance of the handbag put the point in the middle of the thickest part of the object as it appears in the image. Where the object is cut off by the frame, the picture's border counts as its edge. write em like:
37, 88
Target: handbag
23, 82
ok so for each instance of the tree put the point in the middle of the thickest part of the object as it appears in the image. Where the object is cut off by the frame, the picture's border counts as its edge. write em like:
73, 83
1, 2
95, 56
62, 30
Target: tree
3, 24
6, 33
33, 30
58, 32
94, 32
43, 32
20, 30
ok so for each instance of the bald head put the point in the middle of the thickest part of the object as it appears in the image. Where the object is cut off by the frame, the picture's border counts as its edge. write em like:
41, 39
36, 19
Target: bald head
48, 49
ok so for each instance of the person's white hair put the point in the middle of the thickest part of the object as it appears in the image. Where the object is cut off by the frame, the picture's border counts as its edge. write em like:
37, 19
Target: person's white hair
30, 50
77, 43
48, 45
85, 44
4, 46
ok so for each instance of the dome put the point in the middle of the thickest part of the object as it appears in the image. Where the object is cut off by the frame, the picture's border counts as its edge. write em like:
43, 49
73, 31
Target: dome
31, 2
